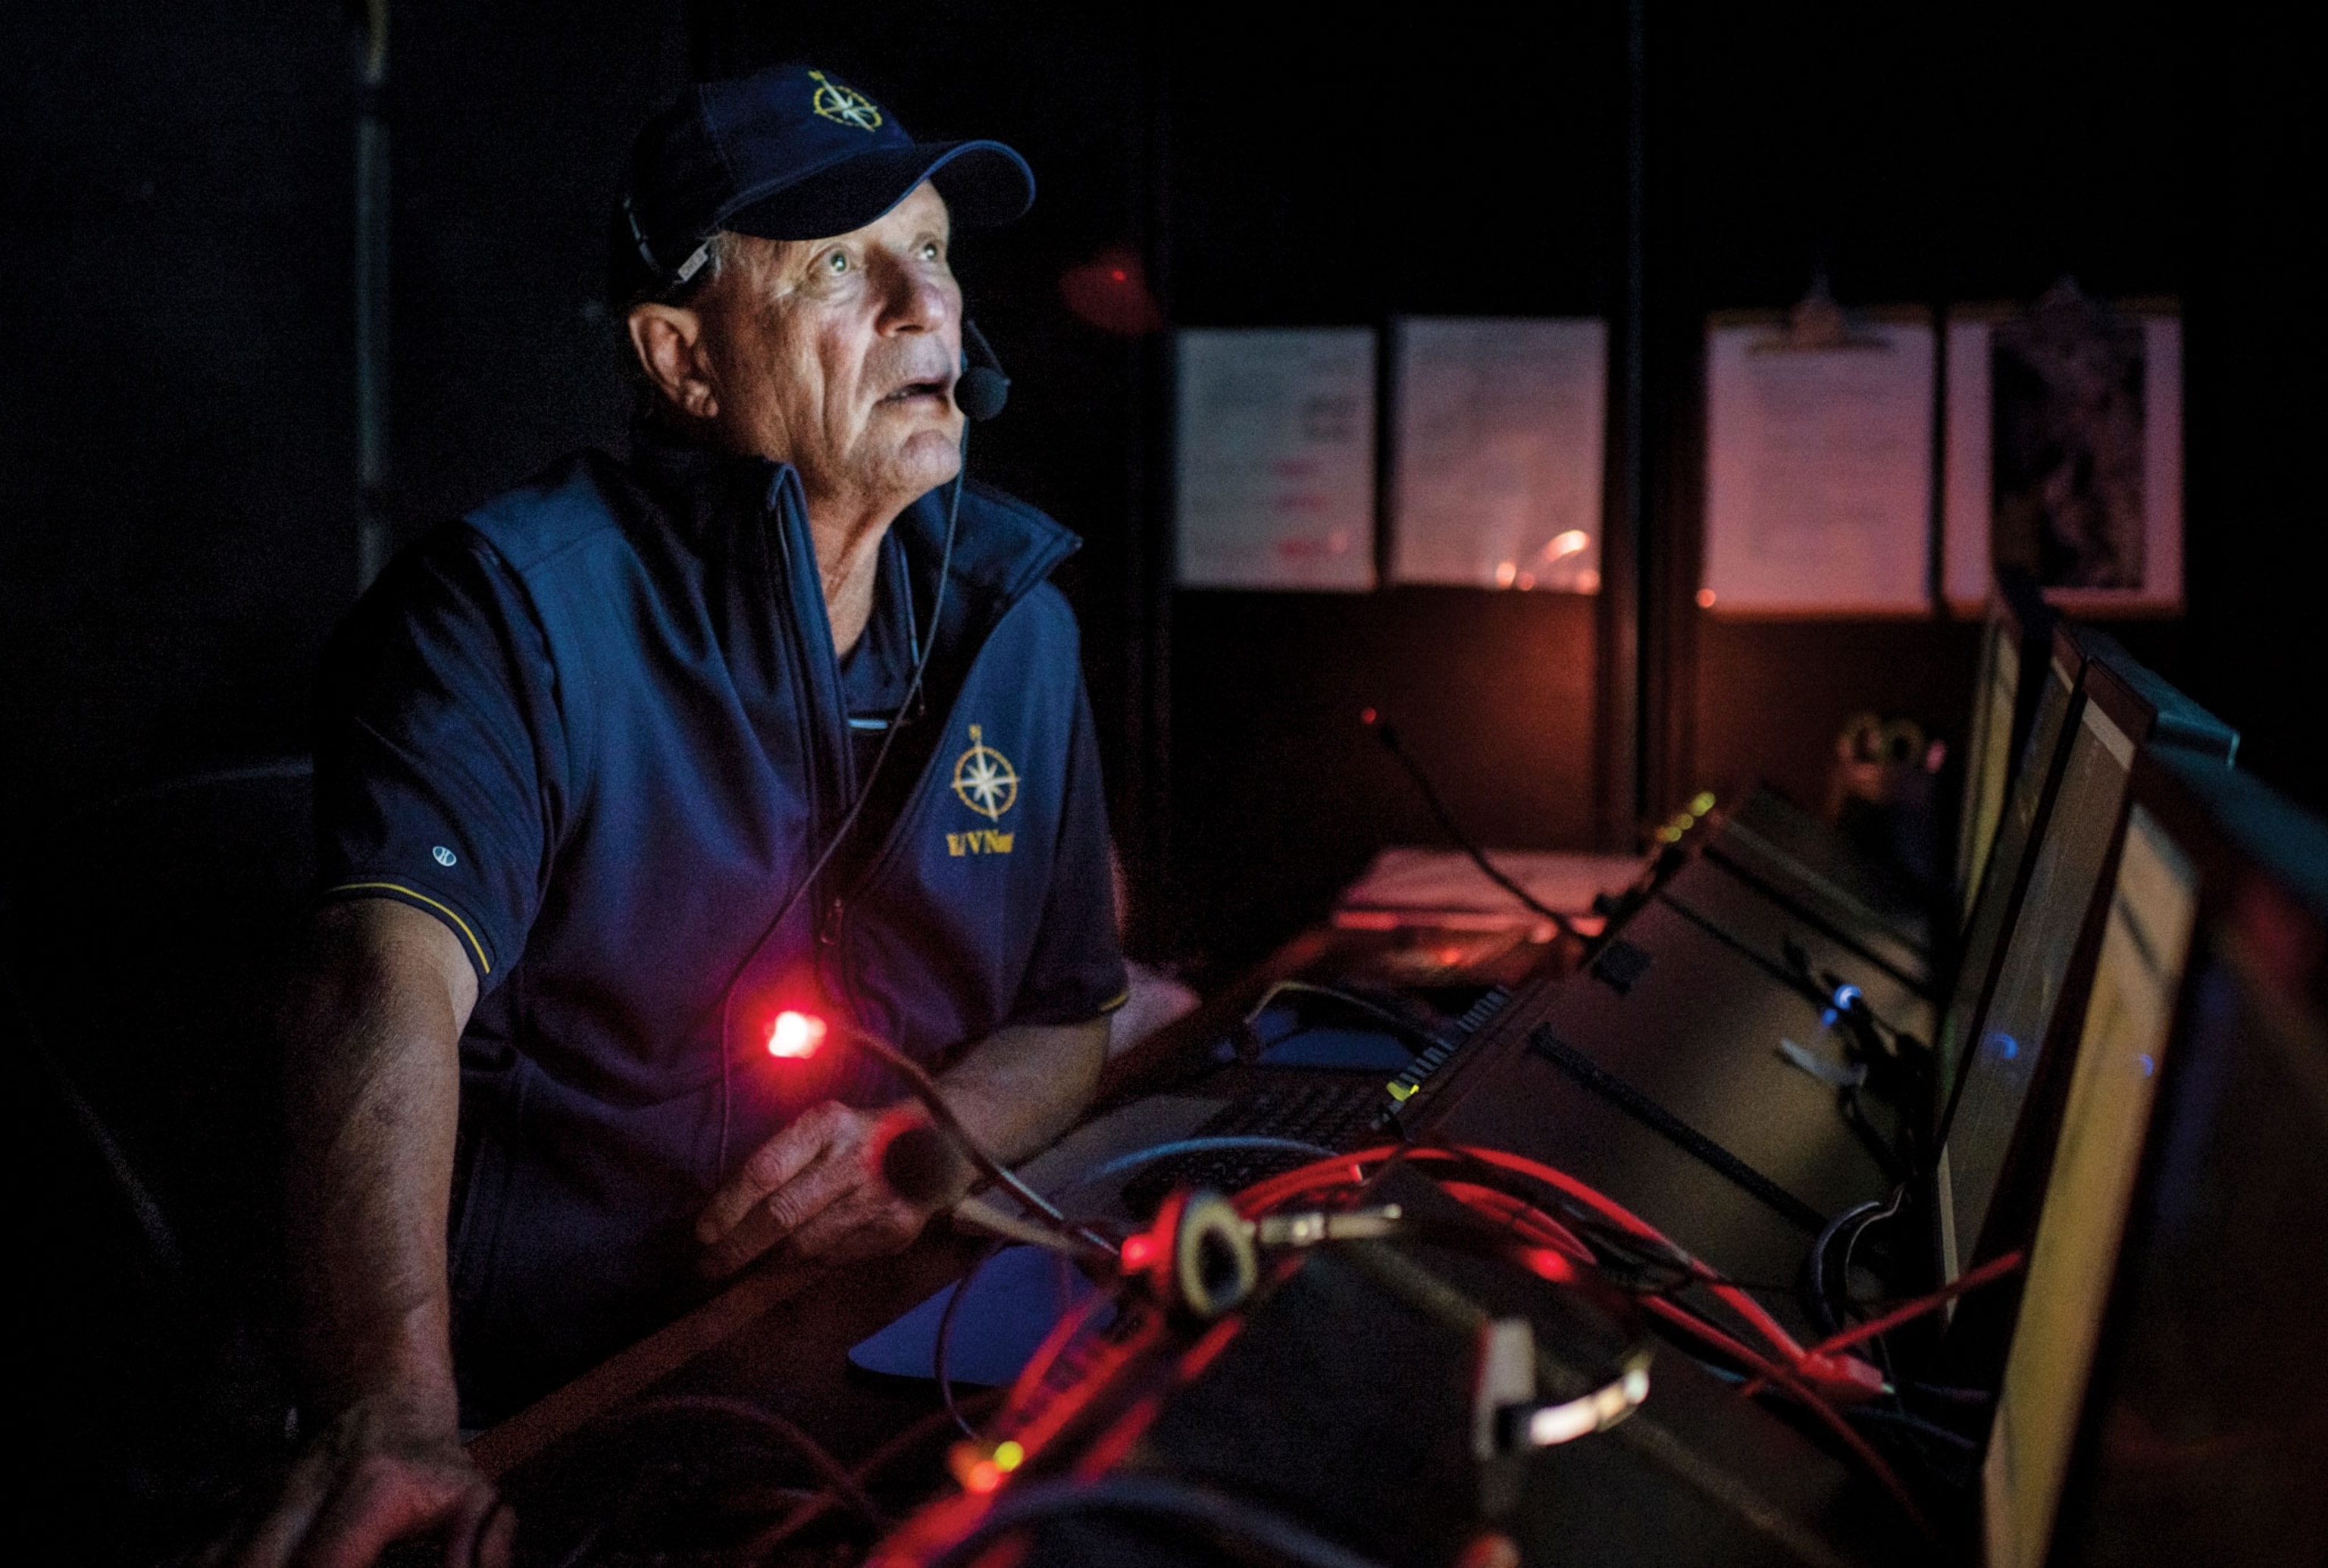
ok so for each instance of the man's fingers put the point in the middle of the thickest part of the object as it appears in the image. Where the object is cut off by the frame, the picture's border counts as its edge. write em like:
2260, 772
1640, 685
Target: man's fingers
370, 1512
471, 1536
869, 1222
784, 1211
776, 1162
499, 1538
383, 1498
753, 1236
304, 1491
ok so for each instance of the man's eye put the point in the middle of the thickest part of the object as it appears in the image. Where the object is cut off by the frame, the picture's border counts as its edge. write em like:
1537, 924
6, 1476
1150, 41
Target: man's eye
837, 262
929, 250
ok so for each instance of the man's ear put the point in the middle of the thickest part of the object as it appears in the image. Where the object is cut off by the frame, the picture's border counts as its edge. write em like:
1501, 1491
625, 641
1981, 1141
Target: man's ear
669, 341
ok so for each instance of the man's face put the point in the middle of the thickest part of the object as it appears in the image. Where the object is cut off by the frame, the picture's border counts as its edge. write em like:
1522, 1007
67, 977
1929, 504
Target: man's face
839, 355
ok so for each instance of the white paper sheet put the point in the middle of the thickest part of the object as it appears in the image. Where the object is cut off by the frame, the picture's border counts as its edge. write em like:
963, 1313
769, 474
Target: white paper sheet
1818, 473
1276, 461
1969, 508
1499, 453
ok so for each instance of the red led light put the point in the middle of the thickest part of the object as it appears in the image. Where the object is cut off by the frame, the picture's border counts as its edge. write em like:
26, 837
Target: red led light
1548, 1265
1139, 1252
795, 1035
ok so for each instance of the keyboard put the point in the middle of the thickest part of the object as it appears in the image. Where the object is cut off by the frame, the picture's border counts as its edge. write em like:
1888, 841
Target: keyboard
1334, 1111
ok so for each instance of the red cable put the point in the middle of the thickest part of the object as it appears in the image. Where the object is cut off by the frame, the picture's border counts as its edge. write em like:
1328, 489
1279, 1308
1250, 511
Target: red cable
1347, 1170
1819, 1366
1521, 1219
1046, 1355
1995, 1269
1343, 1170
1769, 1372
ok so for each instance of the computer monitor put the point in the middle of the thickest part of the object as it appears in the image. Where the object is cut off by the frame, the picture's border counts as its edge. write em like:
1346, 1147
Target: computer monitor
2017, 638
2028, 805
1999, 1140
2165, 1399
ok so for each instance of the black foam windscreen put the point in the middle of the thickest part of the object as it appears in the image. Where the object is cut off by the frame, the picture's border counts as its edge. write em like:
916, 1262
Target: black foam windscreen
921, 1164
981, 392
982, 388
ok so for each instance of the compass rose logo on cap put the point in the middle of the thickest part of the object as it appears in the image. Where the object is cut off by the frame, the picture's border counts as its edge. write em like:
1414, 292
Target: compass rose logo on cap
845, 104
984, 779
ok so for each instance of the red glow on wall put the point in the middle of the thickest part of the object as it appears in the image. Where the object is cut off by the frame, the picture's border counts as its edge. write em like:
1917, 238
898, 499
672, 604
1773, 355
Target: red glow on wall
1111, 293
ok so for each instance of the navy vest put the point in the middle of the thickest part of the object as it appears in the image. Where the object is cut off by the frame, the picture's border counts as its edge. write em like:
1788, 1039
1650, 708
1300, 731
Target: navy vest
599, 727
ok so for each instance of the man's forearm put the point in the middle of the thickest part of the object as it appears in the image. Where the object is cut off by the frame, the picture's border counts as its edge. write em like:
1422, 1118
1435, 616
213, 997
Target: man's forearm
372, 1039
1023, 1086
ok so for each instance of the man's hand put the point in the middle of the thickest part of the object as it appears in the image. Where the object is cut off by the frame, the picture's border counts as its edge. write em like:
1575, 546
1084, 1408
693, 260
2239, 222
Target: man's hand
383, 1472
817, 1184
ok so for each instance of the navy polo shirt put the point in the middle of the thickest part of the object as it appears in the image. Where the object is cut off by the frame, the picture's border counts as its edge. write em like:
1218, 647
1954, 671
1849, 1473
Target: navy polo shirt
598, 729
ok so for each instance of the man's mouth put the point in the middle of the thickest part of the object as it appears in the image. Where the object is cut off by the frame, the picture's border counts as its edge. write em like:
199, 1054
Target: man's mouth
937, 388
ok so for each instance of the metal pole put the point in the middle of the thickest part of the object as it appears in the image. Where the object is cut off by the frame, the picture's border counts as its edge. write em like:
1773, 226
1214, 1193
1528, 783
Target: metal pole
1635, 331
1152, 567
372, 537
1625, 576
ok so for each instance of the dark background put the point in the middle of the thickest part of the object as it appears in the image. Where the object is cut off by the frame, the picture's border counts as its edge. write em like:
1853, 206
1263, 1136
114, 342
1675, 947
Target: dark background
177, 460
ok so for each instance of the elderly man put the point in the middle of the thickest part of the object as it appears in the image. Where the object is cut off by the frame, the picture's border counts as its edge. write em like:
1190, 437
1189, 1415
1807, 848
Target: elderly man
778, 714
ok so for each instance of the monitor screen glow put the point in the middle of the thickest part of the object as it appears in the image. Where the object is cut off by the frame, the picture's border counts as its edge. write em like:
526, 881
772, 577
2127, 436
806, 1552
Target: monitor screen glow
2145, 946
1991, 761
1992, 910
2063, 884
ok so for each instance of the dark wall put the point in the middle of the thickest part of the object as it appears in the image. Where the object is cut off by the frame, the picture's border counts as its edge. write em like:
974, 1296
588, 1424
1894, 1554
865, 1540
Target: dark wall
176, 419
177, 414
2257, 402
511, 125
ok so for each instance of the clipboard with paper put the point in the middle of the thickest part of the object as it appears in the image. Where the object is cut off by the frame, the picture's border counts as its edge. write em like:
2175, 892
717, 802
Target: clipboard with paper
1819, 437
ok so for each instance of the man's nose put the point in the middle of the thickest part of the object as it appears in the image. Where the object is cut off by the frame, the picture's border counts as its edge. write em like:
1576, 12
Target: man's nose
915, 301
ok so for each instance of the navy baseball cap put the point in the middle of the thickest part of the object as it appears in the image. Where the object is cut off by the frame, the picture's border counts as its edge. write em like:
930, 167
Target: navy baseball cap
788, 153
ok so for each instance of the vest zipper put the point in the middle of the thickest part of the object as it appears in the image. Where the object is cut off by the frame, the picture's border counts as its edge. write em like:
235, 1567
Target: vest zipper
887, 851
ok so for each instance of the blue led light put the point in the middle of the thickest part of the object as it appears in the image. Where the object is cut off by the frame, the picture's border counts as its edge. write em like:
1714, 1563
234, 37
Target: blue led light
2007, 1047
2148, 1066
1827, 1018
1844, 995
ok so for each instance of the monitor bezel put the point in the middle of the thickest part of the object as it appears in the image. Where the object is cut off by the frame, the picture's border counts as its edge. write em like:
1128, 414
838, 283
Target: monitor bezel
2196, 801
2065, 652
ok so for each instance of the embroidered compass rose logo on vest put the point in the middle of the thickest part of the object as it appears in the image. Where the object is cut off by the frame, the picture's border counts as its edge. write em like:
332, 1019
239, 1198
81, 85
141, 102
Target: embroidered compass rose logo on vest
984, 779
845, 104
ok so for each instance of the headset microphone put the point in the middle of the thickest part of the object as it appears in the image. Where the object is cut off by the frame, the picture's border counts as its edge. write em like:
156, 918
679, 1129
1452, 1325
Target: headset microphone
982, 389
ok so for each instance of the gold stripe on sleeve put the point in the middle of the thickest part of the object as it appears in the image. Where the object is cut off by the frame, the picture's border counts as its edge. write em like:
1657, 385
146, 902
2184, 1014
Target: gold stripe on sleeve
484, 963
